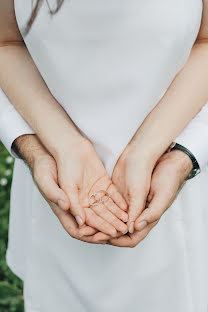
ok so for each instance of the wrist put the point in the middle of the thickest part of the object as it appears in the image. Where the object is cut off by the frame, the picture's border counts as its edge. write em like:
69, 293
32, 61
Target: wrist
29, 148
181, 162
76, 145
143, 152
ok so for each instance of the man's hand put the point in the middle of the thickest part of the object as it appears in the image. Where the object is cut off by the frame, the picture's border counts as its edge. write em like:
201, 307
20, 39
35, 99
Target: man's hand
168, 177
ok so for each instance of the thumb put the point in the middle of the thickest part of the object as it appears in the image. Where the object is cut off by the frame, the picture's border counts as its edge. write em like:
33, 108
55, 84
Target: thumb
52, 192
76, 209
153, 213
136, 206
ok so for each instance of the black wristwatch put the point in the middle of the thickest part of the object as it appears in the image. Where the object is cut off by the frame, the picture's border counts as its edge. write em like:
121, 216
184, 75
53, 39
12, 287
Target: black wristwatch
196, 168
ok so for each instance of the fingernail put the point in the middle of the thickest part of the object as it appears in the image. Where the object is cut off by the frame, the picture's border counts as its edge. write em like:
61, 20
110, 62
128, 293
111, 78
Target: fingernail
79, 220
125, 218
124, 229
131, 227
114, 233
141, 225
61, 203
102, 242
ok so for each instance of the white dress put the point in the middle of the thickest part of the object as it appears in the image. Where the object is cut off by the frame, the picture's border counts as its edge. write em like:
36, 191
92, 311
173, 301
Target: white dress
108, 63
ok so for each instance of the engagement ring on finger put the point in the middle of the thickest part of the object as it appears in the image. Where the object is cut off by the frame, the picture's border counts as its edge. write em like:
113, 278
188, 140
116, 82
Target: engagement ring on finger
98, 197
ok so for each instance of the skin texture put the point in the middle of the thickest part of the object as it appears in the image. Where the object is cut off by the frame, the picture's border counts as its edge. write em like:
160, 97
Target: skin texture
80, 174
167, 179
23, 84
168, 176
45, 174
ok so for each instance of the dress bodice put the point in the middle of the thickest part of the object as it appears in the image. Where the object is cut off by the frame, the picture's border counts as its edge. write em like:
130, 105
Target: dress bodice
108, 63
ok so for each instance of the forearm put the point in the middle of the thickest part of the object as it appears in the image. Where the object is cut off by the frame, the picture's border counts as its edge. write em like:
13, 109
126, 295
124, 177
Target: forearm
27, 91
184, 98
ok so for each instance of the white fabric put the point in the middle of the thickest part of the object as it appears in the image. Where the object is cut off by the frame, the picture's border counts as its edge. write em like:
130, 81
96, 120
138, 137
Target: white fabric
195, 137
108, 63
12, 125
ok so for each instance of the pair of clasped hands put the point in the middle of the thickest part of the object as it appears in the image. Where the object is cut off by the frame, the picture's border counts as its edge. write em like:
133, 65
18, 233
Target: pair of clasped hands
140, 191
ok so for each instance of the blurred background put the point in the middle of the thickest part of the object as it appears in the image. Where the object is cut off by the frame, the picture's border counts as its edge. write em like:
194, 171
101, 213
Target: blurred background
11, 298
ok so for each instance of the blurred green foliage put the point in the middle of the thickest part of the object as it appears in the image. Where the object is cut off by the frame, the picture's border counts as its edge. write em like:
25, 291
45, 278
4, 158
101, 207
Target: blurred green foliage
11, 298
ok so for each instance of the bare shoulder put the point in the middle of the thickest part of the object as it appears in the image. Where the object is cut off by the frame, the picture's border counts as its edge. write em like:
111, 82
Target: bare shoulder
203, 32
9, 30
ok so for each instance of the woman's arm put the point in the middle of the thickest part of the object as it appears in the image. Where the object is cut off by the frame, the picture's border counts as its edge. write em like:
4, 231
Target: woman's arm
184, 98
80, 171
24, 86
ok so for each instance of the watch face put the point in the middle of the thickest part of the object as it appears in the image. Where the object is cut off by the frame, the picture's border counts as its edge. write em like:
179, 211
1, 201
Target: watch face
193, 173
198, 171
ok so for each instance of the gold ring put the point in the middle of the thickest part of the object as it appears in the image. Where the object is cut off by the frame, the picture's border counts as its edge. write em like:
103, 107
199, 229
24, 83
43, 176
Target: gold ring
98, 198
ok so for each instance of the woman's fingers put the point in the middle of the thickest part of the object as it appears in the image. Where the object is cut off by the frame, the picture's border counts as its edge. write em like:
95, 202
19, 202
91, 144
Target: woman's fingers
119, 213
95, 221
104, 213
136, 206
117, 197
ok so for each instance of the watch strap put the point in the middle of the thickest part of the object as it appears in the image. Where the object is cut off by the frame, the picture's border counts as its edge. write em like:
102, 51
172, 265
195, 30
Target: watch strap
196, 167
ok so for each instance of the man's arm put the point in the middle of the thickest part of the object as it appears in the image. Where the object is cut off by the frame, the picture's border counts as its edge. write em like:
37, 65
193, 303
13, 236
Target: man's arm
12, 125
195, 137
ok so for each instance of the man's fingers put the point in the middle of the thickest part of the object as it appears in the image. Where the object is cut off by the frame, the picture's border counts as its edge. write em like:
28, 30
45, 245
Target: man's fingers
52, 192
132, 240
86, 234
67, 220
101, 236
153, 213
91, 240
75, 208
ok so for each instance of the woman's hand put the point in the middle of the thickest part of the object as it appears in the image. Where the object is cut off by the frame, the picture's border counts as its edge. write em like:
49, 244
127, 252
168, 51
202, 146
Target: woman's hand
132, 176
167, 180
80, 174
44, 172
